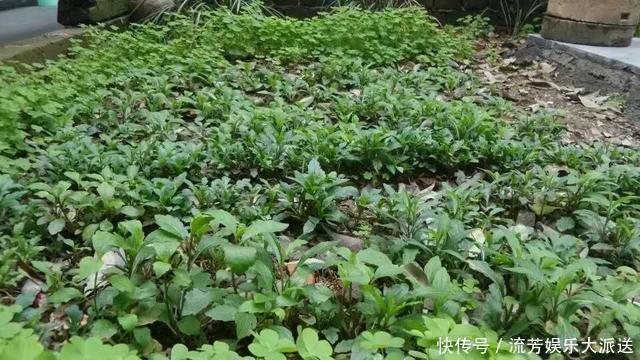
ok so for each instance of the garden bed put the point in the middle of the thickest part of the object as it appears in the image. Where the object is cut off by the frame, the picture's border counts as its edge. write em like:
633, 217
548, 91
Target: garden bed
337, 187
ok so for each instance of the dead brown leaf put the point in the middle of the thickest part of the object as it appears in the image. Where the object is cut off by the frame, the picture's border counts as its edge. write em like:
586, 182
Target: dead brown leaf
593, 101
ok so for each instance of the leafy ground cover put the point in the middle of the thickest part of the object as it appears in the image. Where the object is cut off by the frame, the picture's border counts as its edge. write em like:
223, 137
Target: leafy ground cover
240, 186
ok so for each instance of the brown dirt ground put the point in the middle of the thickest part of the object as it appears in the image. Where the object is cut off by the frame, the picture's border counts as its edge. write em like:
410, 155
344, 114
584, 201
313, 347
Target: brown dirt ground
588, 117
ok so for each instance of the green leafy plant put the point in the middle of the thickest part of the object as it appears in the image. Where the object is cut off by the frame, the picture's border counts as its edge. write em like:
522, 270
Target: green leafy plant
313, 197
336, 187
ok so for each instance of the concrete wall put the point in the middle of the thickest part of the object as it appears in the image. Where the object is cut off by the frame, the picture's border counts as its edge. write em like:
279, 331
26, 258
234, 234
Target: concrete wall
10, 4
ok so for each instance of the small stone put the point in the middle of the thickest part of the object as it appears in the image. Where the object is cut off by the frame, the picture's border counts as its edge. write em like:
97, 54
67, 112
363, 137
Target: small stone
111, 260
35, 287
352, 243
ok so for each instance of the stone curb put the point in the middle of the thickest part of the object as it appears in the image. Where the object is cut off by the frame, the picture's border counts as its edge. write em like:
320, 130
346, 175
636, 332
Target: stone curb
47, 46
612, 63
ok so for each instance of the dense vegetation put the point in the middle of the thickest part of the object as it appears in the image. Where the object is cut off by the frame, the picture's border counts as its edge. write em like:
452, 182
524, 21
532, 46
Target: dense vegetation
276, 188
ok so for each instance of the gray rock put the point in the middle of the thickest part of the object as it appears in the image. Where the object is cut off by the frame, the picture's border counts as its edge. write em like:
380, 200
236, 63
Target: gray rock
352, 243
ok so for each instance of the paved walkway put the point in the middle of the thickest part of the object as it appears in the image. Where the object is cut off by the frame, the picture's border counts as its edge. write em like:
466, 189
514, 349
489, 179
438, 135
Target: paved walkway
627, 58
26, 22
628, 55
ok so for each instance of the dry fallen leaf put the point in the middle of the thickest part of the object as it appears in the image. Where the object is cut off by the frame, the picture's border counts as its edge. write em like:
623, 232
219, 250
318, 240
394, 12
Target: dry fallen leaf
546, 68
509, 61
593, 100
492, 79
540, 83
537, 106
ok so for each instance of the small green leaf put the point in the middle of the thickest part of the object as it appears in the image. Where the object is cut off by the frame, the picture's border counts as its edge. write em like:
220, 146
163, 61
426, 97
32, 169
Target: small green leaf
88, 266
88, 232
179, 352
103, 241
189, 325
373, 257
136, 234
565, 223
103, 329
484, 268
321, 248
56, 226
131, 211
245, 324
122, 283
200, 224
142, 335
25, 347
263, 227
239, 258
163, 243
314, 167
310, 347
64, 295
223, 313
442, 280
106, 191
310, 225
225, 219
172, 226
269, 345
80, 348
128, 322
160, 268
195, 301
380, 340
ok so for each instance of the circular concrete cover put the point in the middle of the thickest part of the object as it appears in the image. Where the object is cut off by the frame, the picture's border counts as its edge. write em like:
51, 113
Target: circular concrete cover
612, 12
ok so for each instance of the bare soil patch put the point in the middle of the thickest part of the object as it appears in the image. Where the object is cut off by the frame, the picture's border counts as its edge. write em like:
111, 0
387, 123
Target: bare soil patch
589, 116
